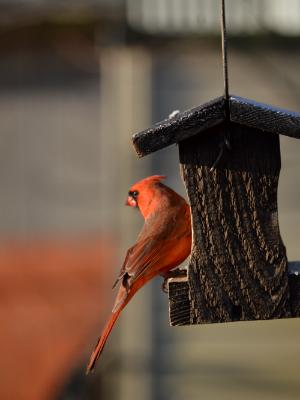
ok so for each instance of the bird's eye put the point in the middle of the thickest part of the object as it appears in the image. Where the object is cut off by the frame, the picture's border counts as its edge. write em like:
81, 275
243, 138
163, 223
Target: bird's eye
133, 193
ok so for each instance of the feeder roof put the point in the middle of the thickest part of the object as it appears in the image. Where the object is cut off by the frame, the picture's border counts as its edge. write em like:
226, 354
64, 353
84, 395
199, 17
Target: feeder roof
186, 124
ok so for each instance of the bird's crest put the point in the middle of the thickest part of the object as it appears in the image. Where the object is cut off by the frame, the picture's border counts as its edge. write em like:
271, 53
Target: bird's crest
155, 178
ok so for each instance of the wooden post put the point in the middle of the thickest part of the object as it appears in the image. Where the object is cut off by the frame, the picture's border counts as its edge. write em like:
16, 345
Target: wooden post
125, 106
238, 267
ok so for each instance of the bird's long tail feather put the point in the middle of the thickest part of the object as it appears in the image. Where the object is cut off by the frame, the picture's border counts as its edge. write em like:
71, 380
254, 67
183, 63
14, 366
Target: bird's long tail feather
102, 340
122, 299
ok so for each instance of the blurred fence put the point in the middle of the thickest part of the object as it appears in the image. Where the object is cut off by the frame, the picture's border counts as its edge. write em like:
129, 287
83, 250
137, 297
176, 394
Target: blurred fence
203, 16
165, 16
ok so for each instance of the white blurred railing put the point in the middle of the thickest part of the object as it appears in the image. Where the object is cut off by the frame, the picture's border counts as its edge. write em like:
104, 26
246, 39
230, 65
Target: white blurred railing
202, 16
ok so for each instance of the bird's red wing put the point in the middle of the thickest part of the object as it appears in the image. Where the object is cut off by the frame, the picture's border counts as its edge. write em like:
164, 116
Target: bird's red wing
152, 251
143, 257
138, 256
123, 269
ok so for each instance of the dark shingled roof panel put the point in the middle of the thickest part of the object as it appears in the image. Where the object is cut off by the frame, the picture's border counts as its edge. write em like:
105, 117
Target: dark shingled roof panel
265, 117
191, 122
182, 126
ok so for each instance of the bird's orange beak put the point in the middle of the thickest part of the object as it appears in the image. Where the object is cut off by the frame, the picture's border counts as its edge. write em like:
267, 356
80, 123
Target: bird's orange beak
130, 202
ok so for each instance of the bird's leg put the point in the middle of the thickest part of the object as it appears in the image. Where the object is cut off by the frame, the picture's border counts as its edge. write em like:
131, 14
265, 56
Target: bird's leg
175, 273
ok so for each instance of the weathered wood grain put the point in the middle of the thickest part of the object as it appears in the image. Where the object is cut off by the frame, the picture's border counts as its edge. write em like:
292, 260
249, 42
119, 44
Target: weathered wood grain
265, 117
238, 266
181, 126
179, 301
181, 307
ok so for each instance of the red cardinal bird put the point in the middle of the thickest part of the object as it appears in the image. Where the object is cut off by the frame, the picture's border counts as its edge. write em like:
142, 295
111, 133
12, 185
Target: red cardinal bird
163, 244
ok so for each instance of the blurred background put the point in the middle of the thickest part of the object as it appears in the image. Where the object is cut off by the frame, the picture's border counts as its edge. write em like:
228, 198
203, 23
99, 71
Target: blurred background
77, 79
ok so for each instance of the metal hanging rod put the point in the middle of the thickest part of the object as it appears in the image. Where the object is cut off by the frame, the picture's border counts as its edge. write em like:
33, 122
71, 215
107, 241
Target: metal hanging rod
224, 50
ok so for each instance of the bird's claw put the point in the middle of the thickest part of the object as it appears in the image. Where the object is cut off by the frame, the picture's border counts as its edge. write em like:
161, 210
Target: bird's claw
164, 286
176, 273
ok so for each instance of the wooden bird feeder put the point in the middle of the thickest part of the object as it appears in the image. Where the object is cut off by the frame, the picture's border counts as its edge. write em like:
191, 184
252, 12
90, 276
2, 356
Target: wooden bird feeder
230, 162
